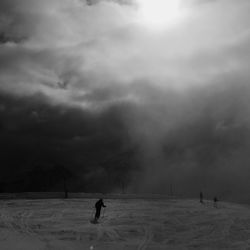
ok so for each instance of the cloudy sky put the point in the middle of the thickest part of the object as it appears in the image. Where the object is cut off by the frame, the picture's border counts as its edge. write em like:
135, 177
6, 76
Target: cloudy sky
137, 93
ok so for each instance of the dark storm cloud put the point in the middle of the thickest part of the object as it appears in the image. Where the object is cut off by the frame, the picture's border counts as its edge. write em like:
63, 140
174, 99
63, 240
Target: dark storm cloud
42, 138
87, 86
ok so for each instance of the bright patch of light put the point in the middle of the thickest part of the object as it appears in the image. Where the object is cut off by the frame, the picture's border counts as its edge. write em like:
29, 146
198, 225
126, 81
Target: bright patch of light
158, 13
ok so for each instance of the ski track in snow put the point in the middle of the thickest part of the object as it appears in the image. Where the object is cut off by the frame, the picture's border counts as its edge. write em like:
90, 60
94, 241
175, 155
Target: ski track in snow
127, 224
147, 239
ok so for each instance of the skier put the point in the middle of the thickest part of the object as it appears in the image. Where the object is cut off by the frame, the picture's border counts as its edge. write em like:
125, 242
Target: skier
201, 197
215, 202
98, 206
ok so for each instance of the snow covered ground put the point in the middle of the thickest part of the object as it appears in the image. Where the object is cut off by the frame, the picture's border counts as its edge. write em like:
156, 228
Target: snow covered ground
57, 224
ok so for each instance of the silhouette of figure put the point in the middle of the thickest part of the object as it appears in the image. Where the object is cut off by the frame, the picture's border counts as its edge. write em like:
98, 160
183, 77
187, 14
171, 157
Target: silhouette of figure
201, 197
98, 206
215, 202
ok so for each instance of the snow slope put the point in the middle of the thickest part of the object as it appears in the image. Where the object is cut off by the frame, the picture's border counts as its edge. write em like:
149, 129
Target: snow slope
127, 224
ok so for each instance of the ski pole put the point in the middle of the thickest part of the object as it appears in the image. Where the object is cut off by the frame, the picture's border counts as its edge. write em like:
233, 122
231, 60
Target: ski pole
103, 212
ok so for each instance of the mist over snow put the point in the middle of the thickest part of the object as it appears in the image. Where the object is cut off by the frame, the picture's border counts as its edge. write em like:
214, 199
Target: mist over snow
86, 86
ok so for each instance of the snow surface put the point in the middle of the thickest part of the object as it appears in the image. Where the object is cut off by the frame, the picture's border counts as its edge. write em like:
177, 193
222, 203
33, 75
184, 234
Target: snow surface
57, 224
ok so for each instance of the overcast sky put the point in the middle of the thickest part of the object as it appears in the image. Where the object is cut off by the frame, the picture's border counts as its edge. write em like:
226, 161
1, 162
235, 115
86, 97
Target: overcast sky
176, 96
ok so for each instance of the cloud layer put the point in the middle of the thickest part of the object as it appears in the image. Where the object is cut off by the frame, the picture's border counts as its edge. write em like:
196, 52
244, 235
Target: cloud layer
180, 94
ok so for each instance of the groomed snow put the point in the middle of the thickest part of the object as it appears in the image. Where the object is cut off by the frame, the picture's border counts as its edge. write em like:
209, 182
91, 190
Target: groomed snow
126, 224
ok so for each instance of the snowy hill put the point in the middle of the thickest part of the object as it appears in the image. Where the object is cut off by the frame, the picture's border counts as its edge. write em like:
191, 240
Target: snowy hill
125, 224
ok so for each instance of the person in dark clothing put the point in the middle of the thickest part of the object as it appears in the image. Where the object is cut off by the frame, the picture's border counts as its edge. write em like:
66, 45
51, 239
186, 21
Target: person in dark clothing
215, 202
98, 206
201, 197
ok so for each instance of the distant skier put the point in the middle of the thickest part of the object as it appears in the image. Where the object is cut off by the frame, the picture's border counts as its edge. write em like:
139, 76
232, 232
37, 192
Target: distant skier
215, 202
98, 206
201, 197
